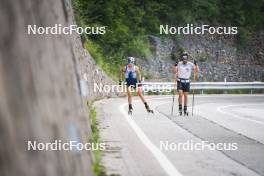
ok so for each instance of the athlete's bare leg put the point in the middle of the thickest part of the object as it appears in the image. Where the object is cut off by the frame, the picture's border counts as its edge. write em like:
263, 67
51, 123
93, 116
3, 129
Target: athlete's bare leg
185, 96
139, 92
180, 92
129, 94
180, 97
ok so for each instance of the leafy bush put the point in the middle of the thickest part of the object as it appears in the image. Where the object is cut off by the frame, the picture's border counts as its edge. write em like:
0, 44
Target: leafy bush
129, 22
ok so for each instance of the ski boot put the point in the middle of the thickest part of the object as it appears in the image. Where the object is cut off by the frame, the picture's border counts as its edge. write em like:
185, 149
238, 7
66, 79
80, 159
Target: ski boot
180, 110
130, 109
185, 111
148, 109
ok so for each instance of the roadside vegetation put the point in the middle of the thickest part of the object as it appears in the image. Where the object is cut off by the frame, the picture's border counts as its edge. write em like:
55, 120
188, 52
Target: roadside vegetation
98, 169
130, 22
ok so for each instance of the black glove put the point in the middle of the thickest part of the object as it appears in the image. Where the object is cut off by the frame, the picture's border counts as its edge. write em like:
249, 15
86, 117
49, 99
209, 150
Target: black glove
195, 62
120, 82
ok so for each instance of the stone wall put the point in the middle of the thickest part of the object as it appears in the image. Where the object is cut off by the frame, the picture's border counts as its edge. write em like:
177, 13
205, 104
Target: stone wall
42, 89
218, 57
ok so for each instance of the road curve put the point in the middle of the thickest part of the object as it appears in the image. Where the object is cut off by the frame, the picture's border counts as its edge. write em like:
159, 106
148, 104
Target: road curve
135, 144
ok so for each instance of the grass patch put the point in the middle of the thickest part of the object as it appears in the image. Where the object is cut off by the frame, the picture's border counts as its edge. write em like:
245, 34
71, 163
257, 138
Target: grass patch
98, 169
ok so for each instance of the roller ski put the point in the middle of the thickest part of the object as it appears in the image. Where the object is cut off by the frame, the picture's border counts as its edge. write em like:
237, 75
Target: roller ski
148, 109
130, 110
180, 110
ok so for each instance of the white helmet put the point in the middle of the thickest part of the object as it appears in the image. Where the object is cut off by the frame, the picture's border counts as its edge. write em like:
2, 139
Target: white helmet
131, 60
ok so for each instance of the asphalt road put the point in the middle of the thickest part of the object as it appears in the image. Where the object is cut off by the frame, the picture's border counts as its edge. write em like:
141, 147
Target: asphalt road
165, 144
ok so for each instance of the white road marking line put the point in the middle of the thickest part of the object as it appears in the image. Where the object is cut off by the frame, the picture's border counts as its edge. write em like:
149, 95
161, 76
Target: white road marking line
161, 158
220, 109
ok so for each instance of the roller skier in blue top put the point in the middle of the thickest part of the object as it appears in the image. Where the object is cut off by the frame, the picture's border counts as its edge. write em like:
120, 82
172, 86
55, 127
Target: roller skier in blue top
133, 81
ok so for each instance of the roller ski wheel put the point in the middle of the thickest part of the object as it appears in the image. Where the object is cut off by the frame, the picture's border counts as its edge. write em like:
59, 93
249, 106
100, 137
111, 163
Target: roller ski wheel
150, 111
130, 111
186, 114
180, 113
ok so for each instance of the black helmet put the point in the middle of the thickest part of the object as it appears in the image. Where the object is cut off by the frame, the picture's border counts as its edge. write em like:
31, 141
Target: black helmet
184, 56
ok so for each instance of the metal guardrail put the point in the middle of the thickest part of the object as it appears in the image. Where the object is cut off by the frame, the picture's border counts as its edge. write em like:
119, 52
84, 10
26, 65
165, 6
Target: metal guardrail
205, 85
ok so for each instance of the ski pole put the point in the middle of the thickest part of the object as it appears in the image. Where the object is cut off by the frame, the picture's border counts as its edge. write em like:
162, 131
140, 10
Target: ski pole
172, 102
173, 97
195, 63
192, 101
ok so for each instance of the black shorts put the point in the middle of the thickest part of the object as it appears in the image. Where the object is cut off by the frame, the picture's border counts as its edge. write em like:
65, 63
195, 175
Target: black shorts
131, 83
184, 86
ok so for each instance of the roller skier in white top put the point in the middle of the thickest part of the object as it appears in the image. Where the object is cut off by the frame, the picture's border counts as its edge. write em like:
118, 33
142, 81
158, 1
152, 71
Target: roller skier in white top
182, 72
